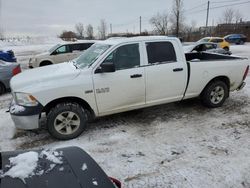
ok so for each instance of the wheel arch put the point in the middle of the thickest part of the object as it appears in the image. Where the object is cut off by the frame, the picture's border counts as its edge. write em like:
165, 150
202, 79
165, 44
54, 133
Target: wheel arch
224, 79
45, 62
81, 102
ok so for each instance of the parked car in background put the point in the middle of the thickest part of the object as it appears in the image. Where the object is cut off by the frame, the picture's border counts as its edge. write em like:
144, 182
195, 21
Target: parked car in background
69, 167
206, 47
236, 38
114, 76
222, 42
7, 56
7, 71
60, 53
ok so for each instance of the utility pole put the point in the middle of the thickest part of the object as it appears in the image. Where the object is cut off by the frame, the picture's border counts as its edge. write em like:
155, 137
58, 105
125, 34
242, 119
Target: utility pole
111, 29
140, 25
208, 5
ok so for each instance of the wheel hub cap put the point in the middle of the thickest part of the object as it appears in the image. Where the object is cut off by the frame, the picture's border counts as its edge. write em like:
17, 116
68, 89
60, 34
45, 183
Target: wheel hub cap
67, 122
217, 95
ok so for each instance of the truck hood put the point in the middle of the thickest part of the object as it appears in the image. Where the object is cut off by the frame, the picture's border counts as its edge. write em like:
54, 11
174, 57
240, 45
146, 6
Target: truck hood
43, 76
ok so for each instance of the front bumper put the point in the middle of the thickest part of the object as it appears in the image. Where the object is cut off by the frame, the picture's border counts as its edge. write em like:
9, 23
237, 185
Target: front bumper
26, 122
26, 118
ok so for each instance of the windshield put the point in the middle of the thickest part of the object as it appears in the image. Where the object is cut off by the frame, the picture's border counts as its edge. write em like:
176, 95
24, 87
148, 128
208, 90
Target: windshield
54, 48
90, 55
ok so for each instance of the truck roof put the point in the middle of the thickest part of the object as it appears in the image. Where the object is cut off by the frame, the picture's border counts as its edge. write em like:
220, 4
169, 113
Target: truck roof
137, 39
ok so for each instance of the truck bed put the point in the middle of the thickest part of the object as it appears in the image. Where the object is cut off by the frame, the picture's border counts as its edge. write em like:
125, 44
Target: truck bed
203, 56
203, 67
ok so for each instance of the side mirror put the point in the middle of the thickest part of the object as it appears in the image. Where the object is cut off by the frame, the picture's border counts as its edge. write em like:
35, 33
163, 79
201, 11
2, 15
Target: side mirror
53, 53
106, 67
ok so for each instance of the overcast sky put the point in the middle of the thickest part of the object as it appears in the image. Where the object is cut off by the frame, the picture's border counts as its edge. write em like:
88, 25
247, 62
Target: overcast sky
50, 17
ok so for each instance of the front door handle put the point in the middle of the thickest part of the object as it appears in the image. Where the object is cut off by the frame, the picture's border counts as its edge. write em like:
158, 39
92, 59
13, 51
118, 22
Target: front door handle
135, 76
178, 69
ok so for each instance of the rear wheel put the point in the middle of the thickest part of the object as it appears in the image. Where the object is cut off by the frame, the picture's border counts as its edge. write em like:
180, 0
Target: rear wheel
66, 121
2, 89
215, 94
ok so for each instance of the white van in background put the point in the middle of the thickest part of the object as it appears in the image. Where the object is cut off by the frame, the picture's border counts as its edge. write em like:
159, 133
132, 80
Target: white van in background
60, 53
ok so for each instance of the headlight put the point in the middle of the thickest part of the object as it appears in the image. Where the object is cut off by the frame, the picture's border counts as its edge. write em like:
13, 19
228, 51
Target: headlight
25, 99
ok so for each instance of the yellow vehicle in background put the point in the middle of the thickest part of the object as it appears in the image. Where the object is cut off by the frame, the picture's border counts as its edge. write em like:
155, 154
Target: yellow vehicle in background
222, 42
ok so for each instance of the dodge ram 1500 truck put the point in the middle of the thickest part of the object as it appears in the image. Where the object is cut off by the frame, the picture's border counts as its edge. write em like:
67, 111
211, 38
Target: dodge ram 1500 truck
114, 76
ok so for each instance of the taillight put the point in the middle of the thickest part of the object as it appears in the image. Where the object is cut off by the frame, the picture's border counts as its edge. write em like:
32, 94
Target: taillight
16, 70
246, 73
116, 182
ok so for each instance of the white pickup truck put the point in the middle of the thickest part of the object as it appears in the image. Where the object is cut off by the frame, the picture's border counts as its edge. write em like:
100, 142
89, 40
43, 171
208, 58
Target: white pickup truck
114, 76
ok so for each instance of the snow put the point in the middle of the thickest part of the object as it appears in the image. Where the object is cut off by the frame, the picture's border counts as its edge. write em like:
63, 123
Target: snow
52, 156
95, 183
26, 165
22, 166
174, 145
16, 108
84, 167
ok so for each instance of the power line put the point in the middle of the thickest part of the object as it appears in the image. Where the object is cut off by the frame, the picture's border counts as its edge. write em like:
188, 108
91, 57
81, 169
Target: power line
195, 7
222, 6
228, 1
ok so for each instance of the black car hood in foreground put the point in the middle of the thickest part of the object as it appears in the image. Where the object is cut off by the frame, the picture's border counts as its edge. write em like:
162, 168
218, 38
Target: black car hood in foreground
72, 175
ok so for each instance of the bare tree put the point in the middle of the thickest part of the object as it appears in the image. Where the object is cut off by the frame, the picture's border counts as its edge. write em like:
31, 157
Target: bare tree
102, 29
238, 16
79, 30
228, 16
90, 32
68, 36
1, 34
160, 23
177, 17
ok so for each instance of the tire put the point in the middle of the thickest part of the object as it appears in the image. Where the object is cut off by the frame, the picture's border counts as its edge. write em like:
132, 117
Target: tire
45, 63
2, 89
66, 121
226, 48
215, 94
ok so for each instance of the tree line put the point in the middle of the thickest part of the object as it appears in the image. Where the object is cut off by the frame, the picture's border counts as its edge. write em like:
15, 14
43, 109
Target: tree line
163, 23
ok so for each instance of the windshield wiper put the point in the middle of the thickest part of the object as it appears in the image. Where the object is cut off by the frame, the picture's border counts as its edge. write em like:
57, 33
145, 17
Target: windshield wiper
74, 63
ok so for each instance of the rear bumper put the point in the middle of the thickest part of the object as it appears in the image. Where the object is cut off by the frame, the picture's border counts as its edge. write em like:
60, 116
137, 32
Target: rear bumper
242, 85
26, 118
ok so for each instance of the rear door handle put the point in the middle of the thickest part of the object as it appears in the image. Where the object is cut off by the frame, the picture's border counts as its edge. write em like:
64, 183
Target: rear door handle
135, 76
178, 69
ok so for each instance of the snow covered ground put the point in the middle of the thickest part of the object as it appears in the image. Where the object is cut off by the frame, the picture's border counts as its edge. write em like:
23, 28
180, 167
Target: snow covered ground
176, 145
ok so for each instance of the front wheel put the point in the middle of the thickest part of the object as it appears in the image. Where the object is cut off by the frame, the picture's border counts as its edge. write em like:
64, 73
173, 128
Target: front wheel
215, 94
66, 121
2, 89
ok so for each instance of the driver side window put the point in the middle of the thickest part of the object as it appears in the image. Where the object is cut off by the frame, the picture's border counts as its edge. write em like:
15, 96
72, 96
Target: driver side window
125, 57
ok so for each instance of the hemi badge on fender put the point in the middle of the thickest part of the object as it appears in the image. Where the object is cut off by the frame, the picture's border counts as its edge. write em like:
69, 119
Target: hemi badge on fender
88, 91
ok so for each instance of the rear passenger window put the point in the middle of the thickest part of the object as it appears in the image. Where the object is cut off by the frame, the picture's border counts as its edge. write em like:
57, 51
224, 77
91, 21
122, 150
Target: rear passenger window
160, 52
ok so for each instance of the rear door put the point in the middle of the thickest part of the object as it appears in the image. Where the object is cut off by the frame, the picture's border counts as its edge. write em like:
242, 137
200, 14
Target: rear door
166, 75
123, 89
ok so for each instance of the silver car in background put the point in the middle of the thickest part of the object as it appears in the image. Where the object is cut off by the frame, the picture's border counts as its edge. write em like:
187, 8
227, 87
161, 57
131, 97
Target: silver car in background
7, 71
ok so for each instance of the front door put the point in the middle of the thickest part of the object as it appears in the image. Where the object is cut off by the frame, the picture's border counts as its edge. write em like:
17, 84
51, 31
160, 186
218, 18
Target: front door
123, 89
62, 54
